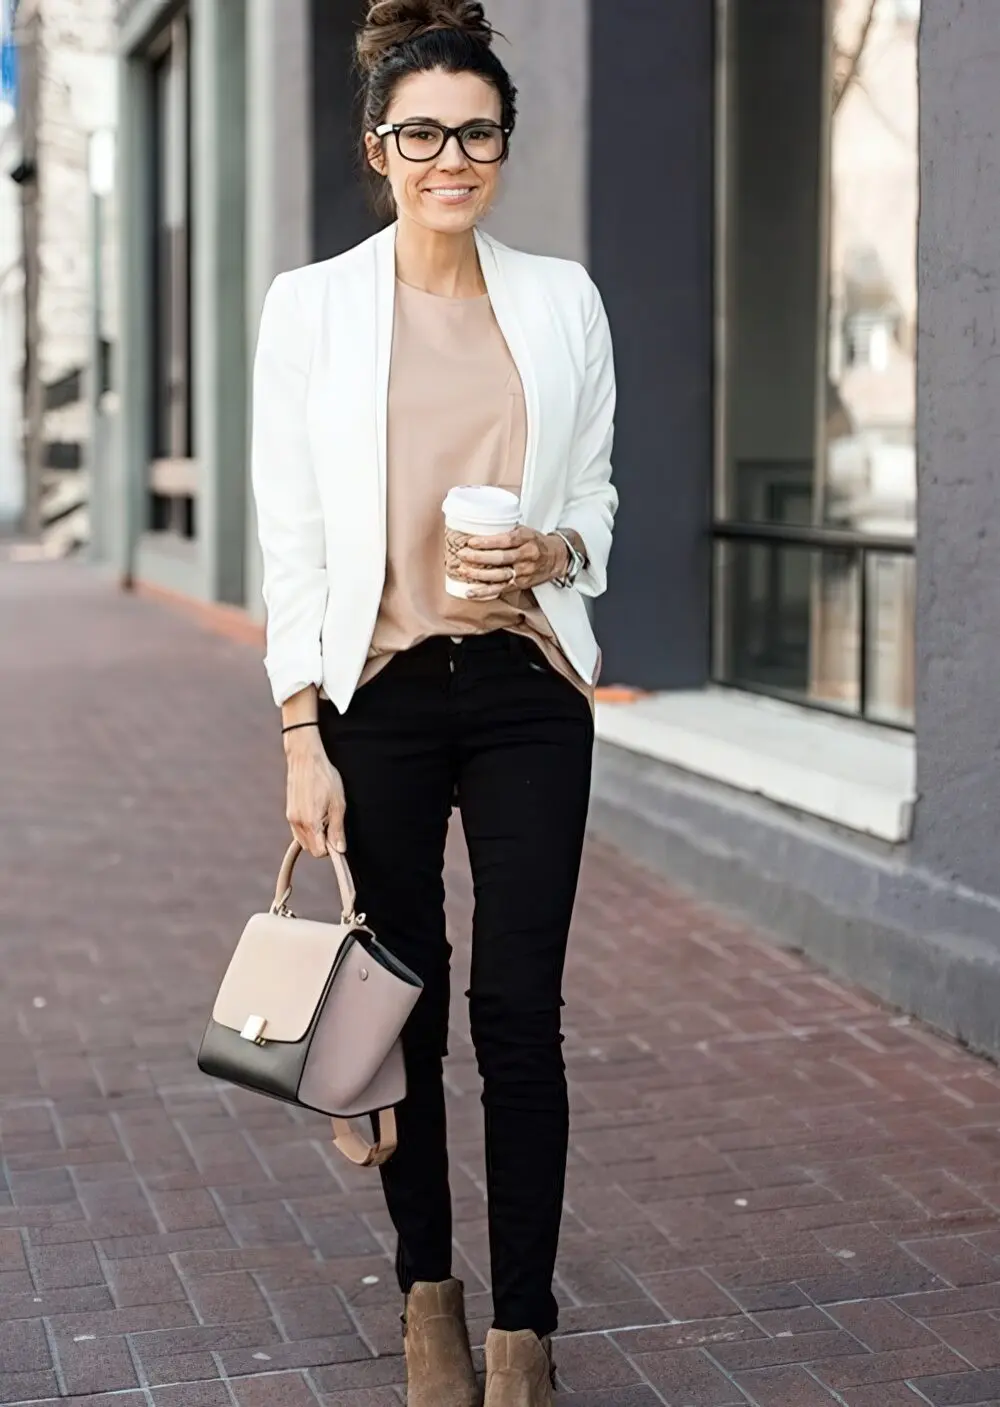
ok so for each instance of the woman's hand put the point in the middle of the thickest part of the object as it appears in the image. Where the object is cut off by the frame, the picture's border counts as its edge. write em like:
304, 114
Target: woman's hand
316, 802
516, 561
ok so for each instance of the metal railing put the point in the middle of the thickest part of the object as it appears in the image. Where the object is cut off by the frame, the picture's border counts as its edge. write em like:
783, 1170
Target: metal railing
857, 546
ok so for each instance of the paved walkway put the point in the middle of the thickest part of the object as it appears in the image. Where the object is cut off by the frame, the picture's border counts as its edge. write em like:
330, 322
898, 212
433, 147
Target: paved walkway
779, 1193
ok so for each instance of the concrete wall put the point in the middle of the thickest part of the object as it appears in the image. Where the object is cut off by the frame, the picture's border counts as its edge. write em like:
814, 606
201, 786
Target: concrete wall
219, 290
544, 204
958, 431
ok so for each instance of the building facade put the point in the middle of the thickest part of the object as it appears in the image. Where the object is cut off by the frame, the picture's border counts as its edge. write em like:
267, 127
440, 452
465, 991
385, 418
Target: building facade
11, 284
65, 110
793, 239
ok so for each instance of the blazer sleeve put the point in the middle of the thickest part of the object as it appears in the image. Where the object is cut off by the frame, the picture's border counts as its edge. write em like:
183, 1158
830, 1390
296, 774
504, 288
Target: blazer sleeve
289, 511
592, 500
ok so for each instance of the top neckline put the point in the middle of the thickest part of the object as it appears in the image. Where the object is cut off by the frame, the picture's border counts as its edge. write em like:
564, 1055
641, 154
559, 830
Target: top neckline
442, 298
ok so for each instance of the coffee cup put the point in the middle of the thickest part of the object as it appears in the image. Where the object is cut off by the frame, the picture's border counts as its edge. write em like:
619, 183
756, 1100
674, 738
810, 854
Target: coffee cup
474, 510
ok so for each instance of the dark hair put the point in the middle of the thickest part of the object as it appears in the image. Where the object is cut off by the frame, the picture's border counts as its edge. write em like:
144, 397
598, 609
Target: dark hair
402, 37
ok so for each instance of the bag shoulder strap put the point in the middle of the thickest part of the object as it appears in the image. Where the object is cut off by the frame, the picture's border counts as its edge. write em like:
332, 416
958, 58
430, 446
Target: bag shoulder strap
359, 1150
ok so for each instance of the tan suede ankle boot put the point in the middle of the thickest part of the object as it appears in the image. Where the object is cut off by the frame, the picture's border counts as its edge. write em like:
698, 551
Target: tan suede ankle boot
439, 1371
519, 1371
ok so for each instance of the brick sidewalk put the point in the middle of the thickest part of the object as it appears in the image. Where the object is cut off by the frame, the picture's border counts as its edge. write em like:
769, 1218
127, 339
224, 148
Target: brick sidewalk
778, 1194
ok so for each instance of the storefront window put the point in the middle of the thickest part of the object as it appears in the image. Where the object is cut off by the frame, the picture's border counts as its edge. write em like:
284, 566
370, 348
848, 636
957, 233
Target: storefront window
172, 473
817, 333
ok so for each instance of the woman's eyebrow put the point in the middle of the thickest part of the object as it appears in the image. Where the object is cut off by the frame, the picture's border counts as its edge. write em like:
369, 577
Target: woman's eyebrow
439, 123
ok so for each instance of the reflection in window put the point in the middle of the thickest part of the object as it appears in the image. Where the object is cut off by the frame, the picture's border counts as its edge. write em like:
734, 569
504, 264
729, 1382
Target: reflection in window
870, 461
817, 288
871, 372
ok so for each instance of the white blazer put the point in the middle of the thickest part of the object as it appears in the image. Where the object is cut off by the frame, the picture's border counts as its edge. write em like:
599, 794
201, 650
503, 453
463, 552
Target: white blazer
321, 384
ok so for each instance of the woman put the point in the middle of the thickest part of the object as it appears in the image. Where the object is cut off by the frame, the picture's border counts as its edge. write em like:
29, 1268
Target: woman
428, 357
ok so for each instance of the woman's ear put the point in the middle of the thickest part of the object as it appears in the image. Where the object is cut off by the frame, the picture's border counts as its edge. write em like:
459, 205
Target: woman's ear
375, 151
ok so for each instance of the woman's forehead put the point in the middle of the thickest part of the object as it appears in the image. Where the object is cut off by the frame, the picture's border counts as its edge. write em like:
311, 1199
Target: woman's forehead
449, 98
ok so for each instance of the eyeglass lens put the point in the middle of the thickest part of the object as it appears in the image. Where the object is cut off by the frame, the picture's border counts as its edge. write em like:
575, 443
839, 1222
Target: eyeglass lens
423, 141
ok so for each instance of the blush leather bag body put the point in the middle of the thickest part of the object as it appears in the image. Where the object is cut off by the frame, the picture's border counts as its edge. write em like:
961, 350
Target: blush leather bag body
311, 1013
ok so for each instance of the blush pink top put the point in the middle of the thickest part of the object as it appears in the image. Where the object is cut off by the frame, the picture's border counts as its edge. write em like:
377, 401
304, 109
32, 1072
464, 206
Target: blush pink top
456, 416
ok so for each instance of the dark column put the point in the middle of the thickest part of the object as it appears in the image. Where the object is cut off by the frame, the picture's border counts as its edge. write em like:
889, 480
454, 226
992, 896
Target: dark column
651, 242
958, 434
341, 217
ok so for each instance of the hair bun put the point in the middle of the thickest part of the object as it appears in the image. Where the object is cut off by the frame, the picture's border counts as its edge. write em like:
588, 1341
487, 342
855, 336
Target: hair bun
392, 22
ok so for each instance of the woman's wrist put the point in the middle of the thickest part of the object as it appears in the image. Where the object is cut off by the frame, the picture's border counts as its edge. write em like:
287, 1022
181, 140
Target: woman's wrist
299, 725
559, 565
304, 742
570, 543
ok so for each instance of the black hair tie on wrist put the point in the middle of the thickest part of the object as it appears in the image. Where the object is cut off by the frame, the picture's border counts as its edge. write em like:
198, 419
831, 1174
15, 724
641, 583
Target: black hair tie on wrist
313, 723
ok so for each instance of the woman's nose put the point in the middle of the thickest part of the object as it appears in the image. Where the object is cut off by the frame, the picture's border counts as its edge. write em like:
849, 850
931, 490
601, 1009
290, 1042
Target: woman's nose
452, 158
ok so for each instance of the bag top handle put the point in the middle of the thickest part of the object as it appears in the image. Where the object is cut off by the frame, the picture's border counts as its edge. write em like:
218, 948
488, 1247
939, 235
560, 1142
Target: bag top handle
348, 894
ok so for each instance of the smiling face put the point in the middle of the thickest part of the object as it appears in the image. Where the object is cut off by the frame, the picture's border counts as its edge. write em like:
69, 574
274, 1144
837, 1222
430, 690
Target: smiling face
449, 193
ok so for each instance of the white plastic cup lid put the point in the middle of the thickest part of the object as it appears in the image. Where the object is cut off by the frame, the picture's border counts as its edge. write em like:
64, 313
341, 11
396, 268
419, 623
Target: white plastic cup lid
482, 503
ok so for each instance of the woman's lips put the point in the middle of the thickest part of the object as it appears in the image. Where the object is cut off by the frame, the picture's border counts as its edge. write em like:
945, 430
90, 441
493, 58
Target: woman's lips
450, 195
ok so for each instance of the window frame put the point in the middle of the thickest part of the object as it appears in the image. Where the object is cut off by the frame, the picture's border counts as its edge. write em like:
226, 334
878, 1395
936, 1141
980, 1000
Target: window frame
860, 550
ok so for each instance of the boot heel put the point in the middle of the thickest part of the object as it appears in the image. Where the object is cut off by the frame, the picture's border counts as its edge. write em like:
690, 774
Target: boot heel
519, 1370
439, 1368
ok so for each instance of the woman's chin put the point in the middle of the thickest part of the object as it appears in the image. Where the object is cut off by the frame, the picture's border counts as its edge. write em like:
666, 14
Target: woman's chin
447, 219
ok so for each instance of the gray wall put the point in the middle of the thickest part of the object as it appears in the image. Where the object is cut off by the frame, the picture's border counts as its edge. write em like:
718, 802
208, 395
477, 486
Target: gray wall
544, 204
651, 203
958, 434
219, 152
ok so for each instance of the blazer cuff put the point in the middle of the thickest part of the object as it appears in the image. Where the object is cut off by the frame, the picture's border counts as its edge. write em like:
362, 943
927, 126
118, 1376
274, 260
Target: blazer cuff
593, 580
290, 677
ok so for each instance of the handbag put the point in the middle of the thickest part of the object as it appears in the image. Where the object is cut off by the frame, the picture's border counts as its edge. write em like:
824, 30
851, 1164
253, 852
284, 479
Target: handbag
311, 1013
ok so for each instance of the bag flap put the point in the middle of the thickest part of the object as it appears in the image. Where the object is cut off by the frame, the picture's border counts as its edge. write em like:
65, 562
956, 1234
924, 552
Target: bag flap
278, 976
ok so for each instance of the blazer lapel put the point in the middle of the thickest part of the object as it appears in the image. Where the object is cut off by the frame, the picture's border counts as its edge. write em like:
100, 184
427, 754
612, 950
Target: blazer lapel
385, 312
510, 323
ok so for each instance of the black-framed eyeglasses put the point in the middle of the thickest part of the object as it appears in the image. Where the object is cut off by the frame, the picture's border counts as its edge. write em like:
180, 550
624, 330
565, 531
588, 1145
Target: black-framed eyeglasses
484, 142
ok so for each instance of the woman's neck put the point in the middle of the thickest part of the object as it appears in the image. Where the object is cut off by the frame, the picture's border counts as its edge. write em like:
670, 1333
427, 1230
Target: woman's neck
447, 265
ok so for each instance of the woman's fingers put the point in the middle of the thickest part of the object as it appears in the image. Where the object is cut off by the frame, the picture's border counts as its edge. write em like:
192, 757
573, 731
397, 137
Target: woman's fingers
311, 835
316, 804
335, 832
336, 813
503, 542
494, 574
476, 557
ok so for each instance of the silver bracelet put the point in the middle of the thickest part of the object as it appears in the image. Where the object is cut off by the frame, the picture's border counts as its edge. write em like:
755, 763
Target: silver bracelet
577, 562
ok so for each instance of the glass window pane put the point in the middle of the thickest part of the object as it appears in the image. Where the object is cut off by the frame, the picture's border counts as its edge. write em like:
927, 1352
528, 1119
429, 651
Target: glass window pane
817, 298
790, 622
772, 120
870, 480
892, 586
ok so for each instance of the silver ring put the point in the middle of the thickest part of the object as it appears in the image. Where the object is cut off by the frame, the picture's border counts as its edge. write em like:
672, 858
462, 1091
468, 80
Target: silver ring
513, 575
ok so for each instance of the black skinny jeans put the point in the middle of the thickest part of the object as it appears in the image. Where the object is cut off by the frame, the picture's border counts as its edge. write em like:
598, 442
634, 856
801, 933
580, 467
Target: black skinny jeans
490, 722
